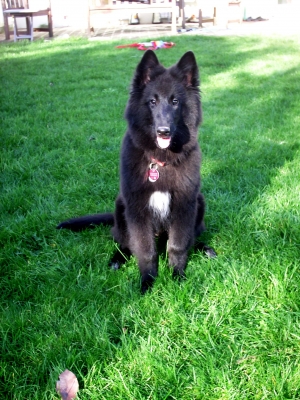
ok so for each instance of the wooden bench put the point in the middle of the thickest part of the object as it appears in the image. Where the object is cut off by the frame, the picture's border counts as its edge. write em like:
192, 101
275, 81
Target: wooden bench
230, 11
133, 7
20, 9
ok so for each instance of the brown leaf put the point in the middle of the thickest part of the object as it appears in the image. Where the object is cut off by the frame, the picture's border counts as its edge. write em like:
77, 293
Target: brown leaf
67, 386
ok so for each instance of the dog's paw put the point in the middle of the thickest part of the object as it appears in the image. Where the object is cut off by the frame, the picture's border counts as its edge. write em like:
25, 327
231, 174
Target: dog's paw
179, 274
208, 251
114, 265
119, 258
147, 284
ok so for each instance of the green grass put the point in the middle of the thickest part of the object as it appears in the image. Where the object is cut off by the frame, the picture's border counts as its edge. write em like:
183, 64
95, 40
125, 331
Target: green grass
232, 329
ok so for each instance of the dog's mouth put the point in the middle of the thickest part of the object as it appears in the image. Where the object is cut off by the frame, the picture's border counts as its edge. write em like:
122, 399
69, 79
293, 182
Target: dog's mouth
163, 142
163, 137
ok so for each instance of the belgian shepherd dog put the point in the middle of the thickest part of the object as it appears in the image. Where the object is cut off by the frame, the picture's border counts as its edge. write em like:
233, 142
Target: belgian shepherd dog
159, 169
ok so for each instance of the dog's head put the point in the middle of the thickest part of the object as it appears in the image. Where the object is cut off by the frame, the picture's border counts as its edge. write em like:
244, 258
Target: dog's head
164, 106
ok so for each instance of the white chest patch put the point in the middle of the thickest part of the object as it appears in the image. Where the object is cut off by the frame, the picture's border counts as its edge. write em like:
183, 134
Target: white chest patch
160, 203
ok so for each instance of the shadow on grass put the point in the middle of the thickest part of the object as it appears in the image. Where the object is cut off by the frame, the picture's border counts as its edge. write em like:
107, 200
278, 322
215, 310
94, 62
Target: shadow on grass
246, 146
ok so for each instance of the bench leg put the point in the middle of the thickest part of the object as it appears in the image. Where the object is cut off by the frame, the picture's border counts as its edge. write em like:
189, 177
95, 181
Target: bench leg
50, 24
31, 28
15, 29
200, 18
6, 27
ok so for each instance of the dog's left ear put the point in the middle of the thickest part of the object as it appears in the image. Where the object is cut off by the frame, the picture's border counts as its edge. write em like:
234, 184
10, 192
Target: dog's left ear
188, 69
145, 68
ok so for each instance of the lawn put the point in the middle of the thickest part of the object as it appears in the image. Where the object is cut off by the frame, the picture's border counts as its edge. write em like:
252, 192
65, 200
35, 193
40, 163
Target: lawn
231, 330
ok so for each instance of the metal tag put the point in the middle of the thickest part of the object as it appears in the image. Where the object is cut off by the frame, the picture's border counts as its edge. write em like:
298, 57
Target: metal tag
153, 173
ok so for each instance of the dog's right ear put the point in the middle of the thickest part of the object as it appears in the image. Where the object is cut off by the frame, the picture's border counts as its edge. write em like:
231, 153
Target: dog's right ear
188, 69
144, 70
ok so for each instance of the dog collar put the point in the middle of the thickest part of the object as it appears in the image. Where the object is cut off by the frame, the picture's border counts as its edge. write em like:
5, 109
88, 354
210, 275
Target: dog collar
160, 163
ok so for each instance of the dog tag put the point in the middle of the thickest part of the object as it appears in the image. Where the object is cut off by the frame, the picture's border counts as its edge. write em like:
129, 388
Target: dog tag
153, 173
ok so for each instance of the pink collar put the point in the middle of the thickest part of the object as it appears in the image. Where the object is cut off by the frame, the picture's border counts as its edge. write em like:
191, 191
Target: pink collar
161, 163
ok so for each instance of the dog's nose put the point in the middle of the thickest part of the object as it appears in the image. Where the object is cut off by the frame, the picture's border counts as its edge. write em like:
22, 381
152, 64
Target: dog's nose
163, 131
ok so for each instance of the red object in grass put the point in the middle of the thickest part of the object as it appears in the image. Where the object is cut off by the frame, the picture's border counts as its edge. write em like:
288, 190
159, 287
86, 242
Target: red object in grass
153, 45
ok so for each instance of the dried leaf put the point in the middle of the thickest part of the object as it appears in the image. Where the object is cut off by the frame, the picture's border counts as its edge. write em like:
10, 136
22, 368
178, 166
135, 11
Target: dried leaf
67, 386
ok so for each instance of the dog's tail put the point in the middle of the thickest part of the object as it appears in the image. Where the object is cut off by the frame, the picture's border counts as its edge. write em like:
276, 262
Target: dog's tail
88, 221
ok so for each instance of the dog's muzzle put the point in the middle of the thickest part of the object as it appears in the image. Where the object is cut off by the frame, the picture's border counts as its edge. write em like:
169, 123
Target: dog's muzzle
163, 137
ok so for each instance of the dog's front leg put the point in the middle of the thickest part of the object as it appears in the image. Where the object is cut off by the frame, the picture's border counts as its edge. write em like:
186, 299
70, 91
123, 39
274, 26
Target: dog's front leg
181, 238
142, 245
177, 258
148, 269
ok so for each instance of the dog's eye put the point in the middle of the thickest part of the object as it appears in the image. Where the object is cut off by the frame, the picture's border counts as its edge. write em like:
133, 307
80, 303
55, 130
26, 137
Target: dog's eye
175, 102
153, 102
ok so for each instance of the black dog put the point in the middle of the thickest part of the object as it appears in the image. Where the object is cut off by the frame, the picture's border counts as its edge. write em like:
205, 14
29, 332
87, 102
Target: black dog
160, 164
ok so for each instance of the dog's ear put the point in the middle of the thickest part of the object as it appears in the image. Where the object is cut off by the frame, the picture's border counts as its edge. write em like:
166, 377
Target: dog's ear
188, 69
145, 68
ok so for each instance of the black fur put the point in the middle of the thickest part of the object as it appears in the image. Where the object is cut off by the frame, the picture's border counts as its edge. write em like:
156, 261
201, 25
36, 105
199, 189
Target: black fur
163, 115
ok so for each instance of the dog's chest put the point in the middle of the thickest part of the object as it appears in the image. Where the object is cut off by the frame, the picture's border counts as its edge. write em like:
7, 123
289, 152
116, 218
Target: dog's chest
159, 204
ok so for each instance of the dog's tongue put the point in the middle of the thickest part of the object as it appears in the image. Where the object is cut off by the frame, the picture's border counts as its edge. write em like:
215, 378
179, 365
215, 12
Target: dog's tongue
163, 143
